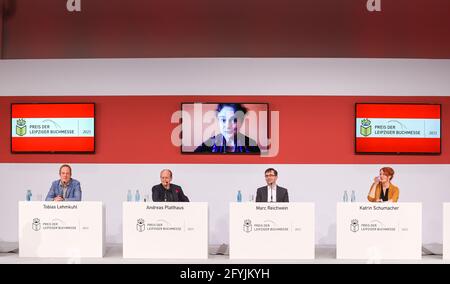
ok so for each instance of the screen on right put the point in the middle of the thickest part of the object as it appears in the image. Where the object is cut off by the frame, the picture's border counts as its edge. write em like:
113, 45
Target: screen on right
398, 128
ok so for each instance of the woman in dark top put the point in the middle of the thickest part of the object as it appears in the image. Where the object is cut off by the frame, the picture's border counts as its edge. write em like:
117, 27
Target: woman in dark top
382, 190
230, 117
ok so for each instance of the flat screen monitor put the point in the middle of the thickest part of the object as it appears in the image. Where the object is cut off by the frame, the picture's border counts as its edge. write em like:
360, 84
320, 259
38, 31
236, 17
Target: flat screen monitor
397, 128
224, 128
53, 128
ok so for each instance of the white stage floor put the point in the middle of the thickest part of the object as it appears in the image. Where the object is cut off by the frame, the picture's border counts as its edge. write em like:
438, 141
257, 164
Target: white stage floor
324, 255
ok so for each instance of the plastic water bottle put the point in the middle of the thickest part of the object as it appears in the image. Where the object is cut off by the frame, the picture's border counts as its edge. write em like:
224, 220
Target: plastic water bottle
239, 196
345, 198
137, 196
129, 196
29, 195
353, 197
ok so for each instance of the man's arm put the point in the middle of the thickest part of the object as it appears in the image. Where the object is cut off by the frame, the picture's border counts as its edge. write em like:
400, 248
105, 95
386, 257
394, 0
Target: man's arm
286, 196
51, 193
181, 196
155, 194
76, 193
258, 195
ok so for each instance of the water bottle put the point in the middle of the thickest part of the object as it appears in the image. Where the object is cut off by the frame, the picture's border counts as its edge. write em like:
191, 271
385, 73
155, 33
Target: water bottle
239, 196
137, 197
353, 198
345, 198
129, 197
29, 195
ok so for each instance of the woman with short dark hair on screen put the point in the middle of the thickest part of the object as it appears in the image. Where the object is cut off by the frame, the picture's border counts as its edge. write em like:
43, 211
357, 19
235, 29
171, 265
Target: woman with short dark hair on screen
230, 117
382, 190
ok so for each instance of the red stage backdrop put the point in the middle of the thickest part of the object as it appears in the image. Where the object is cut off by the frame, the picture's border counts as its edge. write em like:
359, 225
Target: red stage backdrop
137, 129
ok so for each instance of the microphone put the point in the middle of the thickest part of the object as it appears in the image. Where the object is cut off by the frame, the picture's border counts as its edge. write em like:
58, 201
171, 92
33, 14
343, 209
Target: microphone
271, 195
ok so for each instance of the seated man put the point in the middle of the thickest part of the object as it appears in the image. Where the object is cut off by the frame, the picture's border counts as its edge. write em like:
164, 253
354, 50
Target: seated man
66, 188
167, 192
272, 192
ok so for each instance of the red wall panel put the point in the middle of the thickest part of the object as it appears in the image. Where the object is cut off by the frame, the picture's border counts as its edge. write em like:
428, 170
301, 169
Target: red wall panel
137, 129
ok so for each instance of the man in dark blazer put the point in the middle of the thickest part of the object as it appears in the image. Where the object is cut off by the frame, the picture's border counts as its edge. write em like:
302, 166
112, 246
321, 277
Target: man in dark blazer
166, 191
272, 192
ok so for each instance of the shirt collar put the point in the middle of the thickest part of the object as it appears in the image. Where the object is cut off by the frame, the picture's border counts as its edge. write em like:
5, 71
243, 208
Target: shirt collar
64, 185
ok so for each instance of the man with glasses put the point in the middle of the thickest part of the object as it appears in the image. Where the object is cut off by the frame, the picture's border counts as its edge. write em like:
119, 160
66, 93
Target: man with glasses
272, 192
167, 191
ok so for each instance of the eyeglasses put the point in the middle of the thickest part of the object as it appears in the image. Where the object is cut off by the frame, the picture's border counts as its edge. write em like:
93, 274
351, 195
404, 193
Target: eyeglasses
271, 175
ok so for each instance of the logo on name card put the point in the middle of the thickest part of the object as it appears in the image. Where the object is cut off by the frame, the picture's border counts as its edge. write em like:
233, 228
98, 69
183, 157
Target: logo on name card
36, 225
354, 226
140, 226
247, 226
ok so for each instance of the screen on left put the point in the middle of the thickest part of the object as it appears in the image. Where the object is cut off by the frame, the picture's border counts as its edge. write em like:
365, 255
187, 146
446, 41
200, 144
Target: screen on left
53, 128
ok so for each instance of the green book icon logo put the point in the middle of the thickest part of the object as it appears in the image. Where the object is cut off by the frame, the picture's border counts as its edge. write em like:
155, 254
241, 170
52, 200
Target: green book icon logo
365, 128
21, 127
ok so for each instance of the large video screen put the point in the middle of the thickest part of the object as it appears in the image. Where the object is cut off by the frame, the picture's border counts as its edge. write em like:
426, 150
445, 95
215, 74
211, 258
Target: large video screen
398, 128
224, 128
53, 128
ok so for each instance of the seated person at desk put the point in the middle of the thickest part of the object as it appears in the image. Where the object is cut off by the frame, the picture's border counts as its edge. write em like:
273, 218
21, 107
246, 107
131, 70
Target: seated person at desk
166, 191
382, 190
66, 188
272, 192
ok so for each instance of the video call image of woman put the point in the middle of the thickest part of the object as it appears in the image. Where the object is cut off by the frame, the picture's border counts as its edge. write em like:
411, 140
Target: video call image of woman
230, 117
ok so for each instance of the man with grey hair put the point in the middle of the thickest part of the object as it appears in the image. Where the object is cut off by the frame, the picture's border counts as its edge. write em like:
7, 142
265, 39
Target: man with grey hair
167, 191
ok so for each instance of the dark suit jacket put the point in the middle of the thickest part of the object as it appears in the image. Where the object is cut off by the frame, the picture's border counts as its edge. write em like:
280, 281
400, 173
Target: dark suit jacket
282, 194
178, 195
